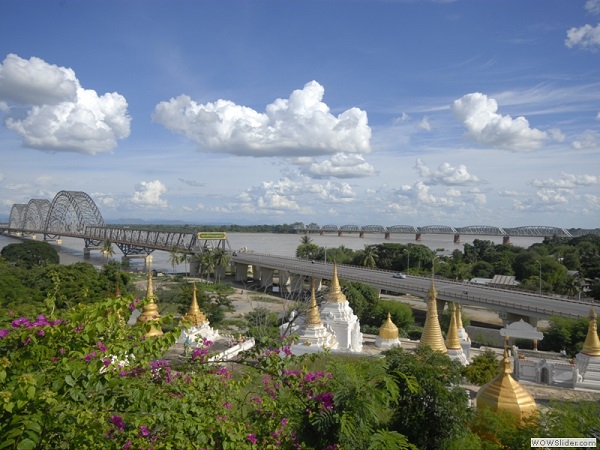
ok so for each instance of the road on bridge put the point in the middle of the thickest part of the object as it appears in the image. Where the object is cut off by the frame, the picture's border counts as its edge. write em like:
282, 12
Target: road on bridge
501, 300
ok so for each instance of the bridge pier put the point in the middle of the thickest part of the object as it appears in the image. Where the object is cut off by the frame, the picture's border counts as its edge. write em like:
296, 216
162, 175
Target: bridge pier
340, 233
361, 234
418, 237
241, 271
457, 238
506, 240
290, 282
266, 277
387, 235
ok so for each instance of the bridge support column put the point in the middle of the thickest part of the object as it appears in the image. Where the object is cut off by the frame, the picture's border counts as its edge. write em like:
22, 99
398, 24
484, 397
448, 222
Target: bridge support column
318, 283
86, 253
418, 237
457, 238
255, 272
508, 318
291, 282
506, 240
321, 233
241, 272
266, 277
361, 234
387, 235
340, 233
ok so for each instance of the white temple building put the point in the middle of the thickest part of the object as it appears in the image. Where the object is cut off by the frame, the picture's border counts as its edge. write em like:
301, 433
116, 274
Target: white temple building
313, 336
337, 315
195, 326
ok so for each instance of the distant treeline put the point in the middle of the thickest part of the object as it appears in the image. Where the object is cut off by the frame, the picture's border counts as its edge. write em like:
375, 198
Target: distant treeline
280, 229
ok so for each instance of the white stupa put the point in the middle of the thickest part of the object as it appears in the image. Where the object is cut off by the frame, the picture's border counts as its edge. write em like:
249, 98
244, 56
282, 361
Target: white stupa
587, 361
453, 344
337, 315
313, 337
388, 334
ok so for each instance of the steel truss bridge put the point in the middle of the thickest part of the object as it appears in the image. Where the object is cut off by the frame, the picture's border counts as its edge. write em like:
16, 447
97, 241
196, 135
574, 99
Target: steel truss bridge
75, 214
472, 230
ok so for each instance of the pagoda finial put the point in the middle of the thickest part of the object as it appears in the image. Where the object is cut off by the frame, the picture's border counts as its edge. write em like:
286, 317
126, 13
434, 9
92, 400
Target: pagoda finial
432, 333
194, 316
149, 289
452, 340
150, 311
591, 346
335, 291
459, 322
312, 316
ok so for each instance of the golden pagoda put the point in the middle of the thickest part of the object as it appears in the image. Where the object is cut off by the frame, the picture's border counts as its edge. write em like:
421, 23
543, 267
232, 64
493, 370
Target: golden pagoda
194, 316
452, 339
335, 291
506, 394
432, 333
313, 318
150, 311
388, 330
591, 346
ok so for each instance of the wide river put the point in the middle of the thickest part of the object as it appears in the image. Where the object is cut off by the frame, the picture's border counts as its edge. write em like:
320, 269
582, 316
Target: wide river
71, 249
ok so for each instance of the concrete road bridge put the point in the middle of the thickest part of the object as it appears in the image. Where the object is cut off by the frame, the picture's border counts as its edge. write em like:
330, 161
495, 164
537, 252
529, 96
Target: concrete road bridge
511, 305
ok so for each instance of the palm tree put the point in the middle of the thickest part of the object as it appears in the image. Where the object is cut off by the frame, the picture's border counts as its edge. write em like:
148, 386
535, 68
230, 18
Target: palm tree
306, 240
174, 257
370, 257
221, 259
107, 249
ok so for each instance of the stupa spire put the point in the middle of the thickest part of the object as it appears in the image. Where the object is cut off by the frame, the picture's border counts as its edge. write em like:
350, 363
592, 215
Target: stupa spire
591, 346
452, 339
194, 316
388, 330
335, 291
312, 317
150, 311
432, 333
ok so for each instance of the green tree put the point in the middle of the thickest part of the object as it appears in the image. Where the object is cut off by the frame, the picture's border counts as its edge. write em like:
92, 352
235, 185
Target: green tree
369, 258
439, 400
221, 259
483, 368
107, 249
174, 257
308, 251
29, 254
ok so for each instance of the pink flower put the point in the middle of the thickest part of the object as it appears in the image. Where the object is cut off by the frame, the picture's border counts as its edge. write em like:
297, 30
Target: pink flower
144, 431
252, 438
118, 422
227, 405
3, 333
101, 346
127, 445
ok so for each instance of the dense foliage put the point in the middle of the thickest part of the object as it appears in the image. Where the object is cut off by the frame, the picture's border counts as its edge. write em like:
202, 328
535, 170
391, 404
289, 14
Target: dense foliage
30, 254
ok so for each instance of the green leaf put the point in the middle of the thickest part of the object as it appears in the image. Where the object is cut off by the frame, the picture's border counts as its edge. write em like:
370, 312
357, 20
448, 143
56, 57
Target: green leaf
26, 444
69, 380
7, 443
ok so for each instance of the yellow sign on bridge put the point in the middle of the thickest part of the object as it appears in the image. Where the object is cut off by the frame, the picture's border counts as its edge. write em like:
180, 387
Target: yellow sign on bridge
214, 235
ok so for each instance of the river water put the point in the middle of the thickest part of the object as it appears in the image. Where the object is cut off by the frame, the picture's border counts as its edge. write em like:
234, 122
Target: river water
71, 249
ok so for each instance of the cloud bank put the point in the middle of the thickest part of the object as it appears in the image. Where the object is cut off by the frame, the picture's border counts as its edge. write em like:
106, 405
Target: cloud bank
60, 115
479, 114
301, 125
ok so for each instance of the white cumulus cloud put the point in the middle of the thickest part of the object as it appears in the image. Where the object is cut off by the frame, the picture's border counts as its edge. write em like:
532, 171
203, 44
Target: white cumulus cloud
341, 165
446, 174
567, 180
61, 115
148, 194
479, 114
586, 36
301, 125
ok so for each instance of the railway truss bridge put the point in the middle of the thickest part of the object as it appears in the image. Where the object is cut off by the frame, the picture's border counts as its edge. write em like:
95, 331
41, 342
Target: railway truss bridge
75, 214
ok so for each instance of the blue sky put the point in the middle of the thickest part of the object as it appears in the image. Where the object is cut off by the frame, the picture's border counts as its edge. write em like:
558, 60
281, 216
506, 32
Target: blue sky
341, 112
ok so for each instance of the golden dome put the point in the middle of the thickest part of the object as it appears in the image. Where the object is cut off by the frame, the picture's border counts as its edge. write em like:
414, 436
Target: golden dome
335, 291
388, 330
313, 317
591, 346
432, 333
194, 316
452, 339
504, 393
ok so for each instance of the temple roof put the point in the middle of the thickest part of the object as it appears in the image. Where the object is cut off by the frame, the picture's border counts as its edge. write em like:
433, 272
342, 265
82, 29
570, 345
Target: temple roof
432, 333
504, 393
388, 330
591, 346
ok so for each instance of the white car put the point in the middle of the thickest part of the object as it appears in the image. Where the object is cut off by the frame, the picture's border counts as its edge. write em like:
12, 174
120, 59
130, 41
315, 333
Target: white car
399, 275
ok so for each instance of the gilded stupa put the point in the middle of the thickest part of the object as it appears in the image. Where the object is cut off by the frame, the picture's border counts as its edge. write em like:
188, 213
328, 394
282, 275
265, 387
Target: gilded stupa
150, 311
453, 344
337, 315
195, 325
591, 346
432, 333
313, 336
388, 334
505, 394
587, 361
194, 316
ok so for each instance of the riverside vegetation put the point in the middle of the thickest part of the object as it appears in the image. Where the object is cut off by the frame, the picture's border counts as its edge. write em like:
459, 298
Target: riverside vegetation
73, 374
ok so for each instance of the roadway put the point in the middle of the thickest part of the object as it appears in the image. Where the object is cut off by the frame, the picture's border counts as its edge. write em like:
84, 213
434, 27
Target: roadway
501, 300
